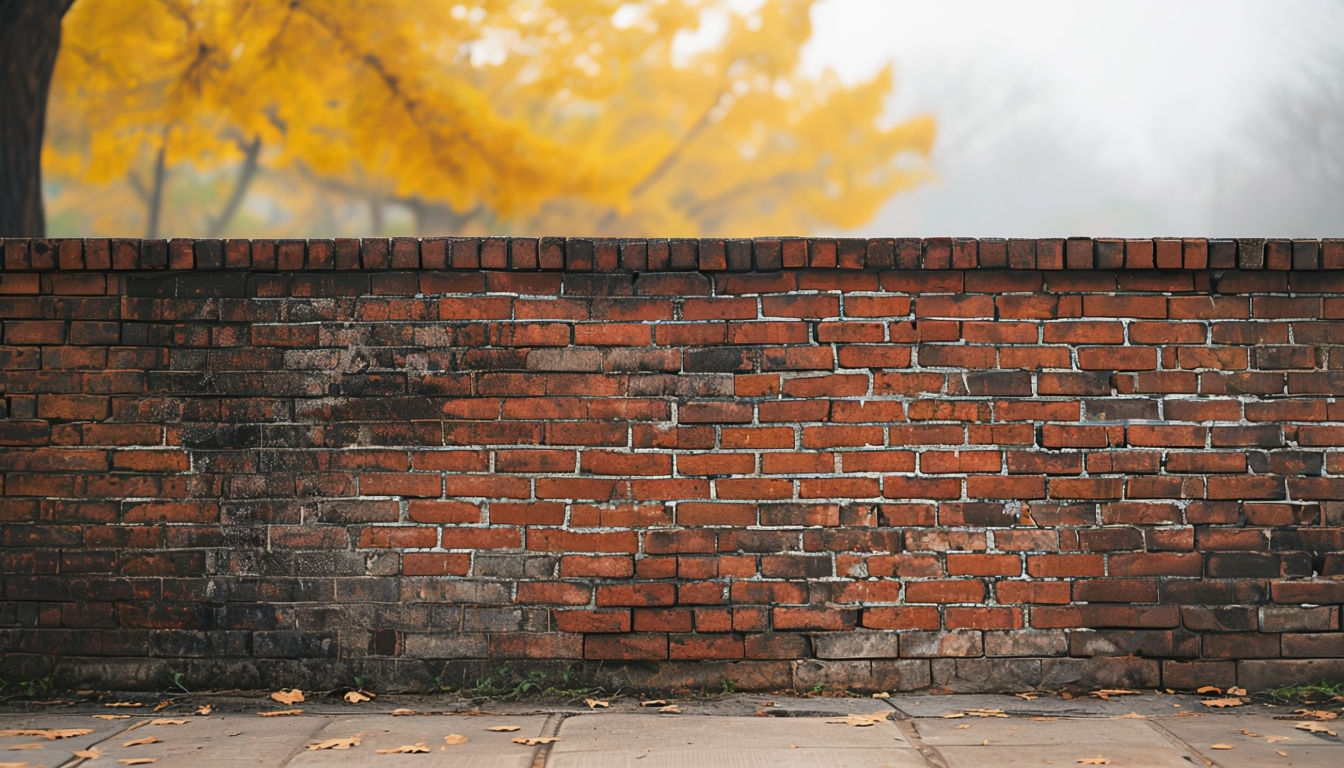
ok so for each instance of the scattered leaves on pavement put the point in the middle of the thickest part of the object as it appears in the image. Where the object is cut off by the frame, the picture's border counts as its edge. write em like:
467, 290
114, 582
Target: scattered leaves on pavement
1220, 703
861, 721
355, 697
141, 741
1106, 693
50, 734
353, 741
1315, 728
504, 728
595, 703
287, 696
535, 741
281, 712
454, 739
405, 749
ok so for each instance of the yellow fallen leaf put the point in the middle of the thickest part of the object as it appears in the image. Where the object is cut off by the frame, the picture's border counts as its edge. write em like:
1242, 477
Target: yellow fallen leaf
862, 721
18, 747
653, 703
1028, 696
504, 728
353, 741
1093, 761
403, 712
1315, 728
124, 704
1316, 714
287, 696
1131, 716
204, 709
141, 742
596, 703
1043, 719
1252, 734
405, 749
1220, 703
281, 712
50, 734
987, 712
167, 721
1280, 753
455, 738
166, 703
1222, 746
1107, 693
1277, 739
111, 717
1215, 690
963, 726
882, 695
985, 743
671, 709
92, 753
16, 765
953, 715
355, 697
535, 741
138, 760
1236, 691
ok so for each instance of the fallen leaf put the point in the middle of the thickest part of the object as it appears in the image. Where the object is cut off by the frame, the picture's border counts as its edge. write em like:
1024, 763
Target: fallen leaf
653, 703
953, 715
1131, 716
1210, 689
353, 741
1028, 696
595, 703
138, 760
141, 742
1252, 734
670, 709
963, 726
1280, 753
1236, 691
535, 741
204, 709
987, 712
1315, 728
1188, 714
50, 734
166, 721
402, 712
92, 753
504, 728
1222, 746
1107, 693
355, 697
455, 738
862, 721
15, 765
111, 717
287, 696
1093, 761
985, 743
281, 712
1316, 714
405, 749
18, 747
1277, 739
166, 703
124, 704
1220, 703
1043, 719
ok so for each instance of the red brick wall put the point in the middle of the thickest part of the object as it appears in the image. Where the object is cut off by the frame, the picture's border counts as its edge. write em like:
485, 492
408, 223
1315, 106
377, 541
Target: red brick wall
877, 464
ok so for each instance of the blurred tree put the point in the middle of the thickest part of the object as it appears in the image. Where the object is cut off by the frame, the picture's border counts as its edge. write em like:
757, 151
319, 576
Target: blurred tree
30, 36
589, 116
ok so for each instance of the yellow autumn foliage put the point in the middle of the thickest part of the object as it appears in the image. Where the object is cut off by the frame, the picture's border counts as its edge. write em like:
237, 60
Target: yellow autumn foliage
504, 116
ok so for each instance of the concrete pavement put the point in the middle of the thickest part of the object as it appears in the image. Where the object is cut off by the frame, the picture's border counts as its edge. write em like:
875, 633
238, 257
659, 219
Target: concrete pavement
747, 730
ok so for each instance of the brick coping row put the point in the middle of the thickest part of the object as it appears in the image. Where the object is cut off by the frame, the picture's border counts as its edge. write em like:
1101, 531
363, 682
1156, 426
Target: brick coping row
574, 254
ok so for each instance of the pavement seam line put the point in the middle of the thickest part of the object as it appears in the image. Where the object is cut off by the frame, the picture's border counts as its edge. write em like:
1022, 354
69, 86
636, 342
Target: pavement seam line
1180, 743
906, 725
551, 728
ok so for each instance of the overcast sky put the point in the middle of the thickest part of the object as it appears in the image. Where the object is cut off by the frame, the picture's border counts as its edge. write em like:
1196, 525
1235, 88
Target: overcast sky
1149, 90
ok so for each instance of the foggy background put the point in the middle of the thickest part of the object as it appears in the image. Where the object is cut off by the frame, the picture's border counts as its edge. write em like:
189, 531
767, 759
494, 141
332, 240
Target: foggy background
1138, 118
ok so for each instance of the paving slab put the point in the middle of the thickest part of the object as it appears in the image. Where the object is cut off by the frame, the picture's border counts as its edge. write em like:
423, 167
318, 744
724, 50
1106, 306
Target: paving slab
483, 749
1256, 740
1146, 703
668, 741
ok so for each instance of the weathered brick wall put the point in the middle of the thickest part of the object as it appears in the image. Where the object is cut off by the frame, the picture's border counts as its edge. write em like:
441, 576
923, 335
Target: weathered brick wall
880, 464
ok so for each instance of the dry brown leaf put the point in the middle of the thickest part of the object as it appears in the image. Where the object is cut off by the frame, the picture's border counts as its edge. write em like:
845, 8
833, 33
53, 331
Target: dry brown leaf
166, 703
1215, 690
405, 749
953, 715
1220, 703
124, 704
1131, 716
455, 738
287, 696
985, 743
596, 703
1252, 734
167, 721
138, 760
402, 712
504, 728
92, 753
1315, 728
281, 712
50, 734
1107, 693
355, 697
353, 741
1316, 714
18, 747
653, 703
1043, 719
1222, 746
16, 765
963, 726
862, 721
1188, 714
978, 712
141, 741
1280, 753
1236, 691
204, 709
1277, 739
670, 709
535, 741
1093, 761
111, 717
1028, 696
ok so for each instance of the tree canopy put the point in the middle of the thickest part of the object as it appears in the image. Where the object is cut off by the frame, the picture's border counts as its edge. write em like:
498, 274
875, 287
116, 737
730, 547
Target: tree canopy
602, 117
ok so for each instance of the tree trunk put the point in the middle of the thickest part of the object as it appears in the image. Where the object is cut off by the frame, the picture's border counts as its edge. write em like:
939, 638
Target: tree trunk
30, 36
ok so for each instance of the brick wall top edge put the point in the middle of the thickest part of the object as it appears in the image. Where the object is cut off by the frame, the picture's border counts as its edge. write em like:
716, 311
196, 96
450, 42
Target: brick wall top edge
762, 254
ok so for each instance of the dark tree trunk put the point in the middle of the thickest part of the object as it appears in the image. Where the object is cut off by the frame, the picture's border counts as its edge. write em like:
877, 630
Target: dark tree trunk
30, 36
